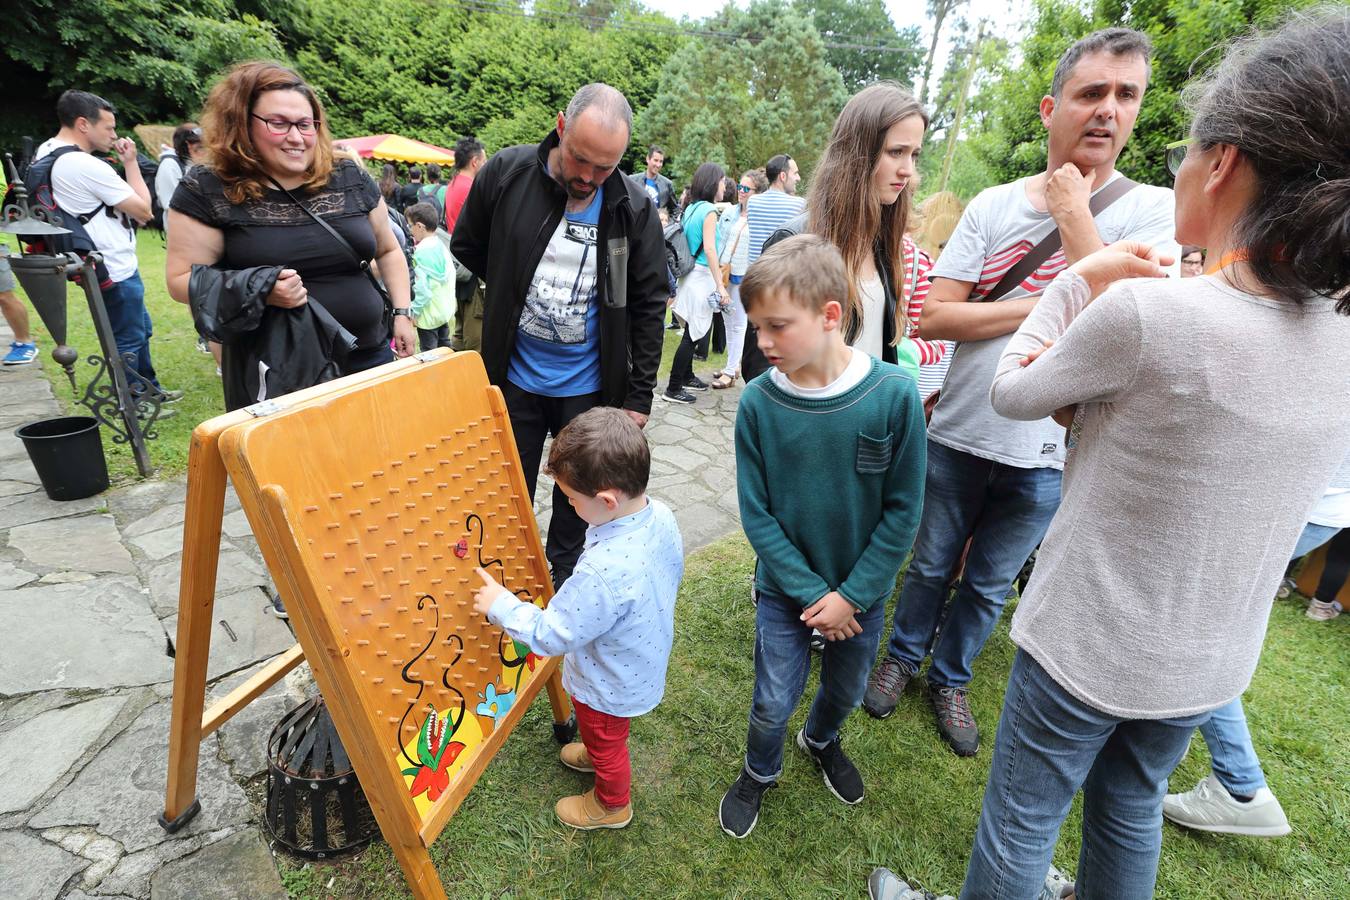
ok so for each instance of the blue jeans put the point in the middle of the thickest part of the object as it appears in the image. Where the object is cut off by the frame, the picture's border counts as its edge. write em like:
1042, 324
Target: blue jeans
1006, 511
1049, 745
125, 302
782, 661
1231, 753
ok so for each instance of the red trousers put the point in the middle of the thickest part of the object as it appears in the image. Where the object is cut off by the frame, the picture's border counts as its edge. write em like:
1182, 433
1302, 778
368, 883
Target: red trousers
606, 740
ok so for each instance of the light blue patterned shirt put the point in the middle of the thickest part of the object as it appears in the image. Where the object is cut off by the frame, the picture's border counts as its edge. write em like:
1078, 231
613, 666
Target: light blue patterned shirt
614, 618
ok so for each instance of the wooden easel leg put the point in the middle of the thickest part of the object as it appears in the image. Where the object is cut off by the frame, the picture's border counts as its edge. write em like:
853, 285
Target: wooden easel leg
564, 722
196, 600
423, 880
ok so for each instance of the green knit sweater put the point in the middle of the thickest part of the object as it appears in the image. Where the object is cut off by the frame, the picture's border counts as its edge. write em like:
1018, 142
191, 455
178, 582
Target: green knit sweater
830, 490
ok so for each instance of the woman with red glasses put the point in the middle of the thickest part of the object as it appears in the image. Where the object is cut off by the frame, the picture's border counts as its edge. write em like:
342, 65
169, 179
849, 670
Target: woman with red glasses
274, 210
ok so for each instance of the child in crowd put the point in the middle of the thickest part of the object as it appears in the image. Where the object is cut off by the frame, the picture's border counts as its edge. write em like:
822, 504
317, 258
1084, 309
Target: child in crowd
614, 618
433, 304
830, 458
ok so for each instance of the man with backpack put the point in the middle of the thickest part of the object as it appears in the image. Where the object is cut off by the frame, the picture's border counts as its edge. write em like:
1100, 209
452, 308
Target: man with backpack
187, 150
99, 207
410, 192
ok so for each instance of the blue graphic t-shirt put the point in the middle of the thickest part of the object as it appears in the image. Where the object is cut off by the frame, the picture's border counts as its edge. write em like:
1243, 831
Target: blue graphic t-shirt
558, 341
653, 190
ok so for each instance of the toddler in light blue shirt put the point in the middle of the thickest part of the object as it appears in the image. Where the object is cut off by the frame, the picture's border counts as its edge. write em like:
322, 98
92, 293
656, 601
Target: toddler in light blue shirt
614, 617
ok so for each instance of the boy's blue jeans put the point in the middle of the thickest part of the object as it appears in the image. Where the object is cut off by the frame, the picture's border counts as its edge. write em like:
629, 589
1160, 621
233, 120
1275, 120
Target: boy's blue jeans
1006, 511
782, 661
1232, 755
1049, 745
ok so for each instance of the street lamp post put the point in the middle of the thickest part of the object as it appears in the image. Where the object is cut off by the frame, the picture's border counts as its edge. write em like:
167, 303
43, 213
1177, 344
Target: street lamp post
116, 395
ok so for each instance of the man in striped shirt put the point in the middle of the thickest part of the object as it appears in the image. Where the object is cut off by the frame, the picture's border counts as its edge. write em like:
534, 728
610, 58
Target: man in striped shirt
992, 480
767, 212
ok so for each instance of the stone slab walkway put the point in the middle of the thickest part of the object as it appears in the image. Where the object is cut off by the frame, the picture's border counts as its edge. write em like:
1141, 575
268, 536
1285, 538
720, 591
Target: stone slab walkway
88, 616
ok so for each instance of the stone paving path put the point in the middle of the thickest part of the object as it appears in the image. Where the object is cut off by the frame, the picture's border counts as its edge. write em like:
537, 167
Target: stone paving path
88, 616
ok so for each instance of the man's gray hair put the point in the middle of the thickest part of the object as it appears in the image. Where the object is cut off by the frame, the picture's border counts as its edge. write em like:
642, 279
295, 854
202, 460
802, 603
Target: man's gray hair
1116, 41
610, 103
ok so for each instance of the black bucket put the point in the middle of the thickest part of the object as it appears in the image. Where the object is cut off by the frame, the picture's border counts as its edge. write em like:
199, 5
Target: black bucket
68, 455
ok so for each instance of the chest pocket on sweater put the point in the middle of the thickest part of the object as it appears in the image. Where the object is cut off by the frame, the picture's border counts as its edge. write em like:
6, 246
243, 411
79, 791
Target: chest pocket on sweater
874, 454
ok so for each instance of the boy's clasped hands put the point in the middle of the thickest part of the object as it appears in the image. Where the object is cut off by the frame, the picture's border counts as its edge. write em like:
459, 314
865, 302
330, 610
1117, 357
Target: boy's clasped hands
833, 616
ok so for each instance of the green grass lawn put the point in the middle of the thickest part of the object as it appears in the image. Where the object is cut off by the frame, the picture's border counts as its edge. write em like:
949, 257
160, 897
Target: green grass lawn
922, 801
179, 364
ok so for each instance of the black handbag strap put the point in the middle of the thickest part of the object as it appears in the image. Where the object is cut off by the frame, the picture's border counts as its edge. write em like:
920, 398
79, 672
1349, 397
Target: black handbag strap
362, 264
1028, 264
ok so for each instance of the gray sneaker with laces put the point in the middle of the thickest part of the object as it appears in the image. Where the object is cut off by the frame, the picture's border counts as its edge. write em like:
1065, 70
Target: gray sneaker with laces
883, 884
884, 687
955, 722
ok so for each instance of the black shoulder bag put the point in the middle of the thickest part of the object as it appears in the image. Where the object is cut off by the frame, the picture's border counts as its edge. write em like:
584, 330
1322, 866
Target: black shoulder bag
387, 320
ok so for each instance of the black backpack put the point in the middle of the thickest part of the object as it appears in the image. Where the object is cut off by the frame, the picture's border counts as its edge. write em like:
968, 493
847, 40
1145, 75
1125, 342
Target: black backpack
38, 181
427, 194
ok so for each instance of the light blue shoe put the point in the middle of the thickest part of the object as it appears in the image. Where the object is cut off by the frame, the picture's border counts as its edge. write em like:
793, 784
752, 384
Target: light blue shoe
20, 354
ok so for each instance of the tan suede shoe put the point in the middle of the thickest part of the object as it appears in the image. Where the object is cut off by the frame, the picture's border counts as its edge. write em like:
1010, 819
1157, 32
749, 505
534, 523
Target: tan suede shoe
586, 813
575, 757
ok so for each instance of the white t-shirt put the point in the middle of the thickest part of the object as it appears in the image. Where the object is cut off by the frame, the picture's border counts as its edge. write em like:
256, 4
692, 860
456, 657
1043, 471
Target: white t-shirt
997, 229
80, 182
873, 297
859, 364
1333, 510
167, 176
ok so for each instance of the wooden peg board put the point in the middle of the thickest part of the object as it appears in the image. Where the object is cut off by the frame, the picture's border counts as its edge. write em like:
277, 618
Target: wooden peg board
372, 508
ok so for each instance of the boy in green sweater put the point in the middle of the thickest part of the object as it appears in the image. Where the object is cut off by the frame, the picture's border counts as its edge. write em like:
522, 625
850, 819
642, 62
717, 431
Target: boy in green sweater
830, 459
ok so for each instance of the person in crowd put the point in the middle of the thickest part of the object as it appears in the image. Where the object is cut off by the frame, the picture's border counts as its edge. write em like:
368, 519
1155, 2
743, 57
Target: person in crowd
85, 186
1192, 261
1234, 798
22, 349
1104, 695
569, 322
765, 214
703, 291
725, 206
736, 259
656, 185
470, 157
187, 150
830, 528
860, 201
272, 171
434, 192
991, 480
389, 186
615, 617
433, 303
411, 192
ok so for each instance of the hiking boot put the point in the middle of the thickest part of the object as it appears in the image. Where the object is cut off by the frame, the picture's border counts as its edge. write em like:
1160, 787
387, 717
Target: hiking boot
694, 383
170, 396
955, 722
838, 771
1323, 610
884, 687
585, 813
883, 884
680, 396
20, 354
1209, 807
739, 809
575, 757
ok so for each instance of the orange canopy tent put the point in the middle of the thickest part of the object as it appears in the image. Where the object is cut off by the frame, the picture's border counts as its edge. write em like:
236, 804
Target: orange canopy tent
398, 149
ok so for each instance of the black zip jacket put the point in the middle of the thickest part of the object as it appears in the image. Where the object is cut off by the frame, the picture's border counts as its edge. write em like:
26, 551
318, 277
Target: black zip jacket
266, 351
506, 223
753, 361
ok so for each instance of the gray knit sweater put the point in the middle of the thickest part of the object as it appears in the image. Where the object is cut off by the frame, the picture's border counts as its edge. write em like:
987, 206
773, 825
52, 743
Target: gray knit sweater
1210, 422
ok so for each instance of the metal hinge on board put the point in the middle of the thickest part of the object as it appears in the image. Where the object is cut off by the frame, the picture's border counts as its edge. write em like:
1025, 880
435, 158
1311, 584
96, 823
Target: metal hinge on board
265, 408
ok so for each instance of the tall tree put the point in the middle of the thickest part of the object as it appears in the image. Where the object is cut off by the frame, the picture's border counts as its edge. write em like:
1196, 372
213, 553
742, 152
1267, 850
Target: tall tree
865, 25
937, 11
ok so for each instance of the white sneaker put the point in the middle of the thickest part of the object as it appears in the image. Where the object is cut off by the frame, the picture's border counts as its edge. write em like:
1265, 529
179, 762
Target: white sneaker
1209, 807
1323, 610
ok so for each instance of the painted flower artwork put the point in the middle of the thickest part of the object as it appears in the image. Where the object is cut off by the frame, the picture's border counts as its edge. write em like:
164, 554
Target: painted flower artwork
435, 753
496, 705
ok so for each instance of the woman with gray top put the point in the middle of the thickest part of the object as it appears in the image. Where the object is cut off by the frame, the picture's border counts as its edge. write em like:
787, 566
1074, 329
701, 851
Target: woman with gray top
1182, 496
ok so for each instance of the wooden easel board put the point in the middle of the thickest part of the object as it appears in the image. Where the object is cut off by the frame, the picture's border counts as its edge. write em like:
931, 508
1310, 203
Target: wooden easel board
372, 508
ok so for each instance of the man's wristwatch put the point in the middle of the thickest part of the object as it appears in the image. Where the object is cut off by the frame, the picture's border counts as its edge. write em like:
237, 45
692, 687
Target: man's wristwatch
403, 312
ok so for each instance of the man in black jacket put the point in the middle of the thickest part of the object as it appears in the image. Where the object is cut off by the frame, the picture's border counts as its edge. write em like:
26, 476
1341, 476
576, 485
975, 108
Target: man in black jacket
575, 267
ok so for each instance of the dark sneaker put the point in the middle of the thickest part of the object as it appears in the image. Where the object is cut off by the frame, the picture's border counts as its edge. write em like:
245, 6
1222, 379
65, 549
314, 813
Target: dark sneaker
276, 608
884, 687
739, 810
696, 384
955, 722
840, 775
678, 397
817, 644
